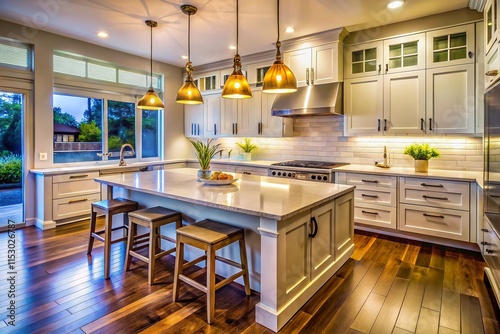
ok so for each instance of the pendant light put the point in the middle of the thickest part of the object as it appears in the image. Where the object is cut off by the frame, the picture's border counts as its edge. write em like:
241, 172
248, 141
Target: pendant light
151, 101
279, 78
236, 86
189, 93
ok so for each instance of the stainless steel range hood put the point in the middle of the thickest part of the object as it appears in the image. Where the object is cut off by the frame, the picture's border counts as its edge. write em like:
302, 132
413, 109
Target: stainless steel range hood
319, 100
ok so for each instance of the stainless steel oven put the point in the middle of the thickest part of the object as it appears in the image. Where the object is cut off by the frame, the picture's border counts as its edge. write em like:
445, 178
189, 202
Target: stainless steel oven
317, 171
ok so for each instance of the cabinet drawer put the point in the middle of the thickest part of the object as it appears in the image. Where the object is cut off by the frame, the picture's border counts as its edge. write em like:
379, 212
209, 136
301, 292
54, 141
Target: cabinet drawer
445, 223
74, 188
73, 206
435, 192
251, 170
383, 196
375, 215
75, 177
371, 180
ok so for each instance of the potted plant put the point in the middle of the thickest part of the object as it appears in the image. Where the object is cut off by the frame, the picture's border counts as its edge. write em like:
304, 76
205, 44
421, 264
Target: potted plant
247, 148
421, 153
205, 153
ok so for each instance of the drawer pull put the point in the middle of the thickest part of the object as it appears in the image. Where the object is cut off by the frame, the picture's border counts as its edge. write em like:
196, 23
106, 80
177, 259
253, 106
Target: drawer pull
433, 197
484, 243
78, 201
433, 216
432, 185
370, 196
489, 251
369, 212
370, 181
78, 176
247, 173
484, 230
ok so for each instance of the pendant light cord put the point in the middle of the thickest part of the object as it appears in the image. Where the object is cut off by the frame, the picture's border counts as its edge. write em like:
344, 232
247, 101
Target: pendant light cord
278, 15
151, 58
237, 25
189, 37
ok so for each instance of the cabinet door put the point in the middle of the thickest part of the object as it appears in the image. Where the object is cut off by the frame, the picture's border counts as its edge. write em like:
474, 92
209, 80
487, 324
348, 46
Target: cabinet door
325, 64
257, 71
404, 54
193, 120
363, 105
451, 99
211, 107
490, 24
322, 243
491, 67
344, 224
364, 60
228, 116
451, 46
299, 62
249, 115
273, 126
404, 102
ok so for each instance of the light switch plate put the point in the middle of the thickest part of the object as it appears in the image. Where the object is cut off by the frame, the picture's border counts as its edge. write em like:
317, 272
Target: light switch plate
43, 156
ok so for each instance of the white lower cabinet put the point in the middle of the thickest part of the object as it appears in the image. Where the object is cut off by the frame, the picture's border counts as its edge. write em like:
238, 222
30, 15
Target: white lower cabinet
315, 240
491, 254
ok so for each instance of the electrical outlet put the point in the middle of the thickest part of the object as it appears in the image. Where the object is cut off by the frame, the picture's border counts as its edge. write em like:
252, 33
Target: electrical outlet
43, 156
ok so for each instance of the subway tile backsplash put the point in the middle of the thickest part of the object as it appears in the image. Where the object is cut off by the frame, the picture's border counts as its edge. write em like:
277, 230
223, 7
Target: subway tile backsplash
321, 138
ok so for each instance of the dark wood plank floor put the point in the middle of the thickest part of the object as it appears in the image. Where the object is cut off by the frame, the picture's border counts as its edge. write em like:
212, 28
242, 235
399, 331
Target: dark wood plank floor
389, 285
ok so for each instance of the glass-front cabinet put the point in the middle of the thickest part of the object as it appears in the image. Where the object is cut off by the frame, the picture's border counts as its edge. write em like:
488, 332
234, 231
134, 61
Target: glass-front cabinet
490, 24
364, 60
451, 46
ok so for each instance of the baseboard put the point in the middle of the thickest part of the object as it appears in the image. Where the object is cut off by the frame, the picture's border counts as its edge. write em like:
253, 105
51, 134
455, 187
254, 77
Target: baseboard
45, 225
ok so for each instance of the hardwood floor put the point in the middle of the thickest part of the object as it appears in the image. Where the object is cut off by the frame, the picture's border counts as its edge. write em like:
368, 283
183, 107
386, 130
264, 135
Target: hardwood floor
389, 285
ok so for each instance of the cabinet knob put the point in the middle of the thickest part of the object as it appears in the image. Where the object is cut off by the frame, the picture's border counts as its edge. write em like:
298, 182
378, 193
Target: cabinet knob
488, 251
492, 73
471, 54
386, 68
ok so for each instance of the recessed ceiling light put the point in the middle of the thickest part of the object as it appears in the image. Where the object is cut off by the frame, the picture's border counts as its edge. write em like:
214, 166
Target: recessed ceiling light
232, 47
395, 4
184, 57
289, 29
102, 34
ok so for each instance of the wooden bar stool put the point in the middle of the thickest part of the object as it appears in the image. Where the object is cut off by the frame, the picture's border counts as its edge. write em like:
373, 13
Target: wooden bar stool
210, 236
109, 208
153, 218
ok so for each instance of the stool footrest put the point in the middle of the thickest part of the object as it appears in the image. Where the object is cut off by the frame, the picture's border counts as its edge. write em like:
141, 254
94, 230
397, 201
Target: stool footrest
166, 252
230, 262
228, 280
193, 262
139, 256
193, 283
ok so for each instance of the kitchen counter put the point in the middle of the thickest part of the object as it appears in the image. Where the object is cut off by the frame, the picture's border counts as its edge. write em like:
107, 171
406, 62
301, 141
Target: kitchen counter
289, 228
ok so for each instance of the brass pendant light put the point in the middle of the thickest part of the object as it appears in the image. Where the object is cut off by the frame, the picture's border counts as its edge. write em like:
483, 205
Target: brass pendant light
279, 78
189, 93
151, 101
236, 86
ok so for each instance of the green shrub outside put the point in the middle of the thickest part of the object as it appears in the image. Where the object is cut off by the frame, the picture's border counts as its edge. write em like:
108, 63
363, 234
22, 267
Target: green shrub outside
11, 166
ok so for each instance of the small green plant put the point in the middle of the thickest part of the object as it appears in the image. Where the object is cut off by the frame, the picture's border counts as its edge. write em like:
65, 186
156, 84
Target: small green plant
11, 167
247, 145
421, 151
205, 152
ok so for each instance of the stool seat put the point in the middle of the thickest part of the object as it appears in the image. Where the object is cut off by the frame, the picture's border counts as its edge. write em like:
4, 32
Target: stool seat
209, 231
152, 218
109, 208
210, 236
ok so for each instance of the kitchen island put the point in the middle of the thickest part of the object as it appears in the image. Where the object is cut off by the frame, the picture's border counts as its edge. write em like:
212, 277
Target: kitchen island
298, 233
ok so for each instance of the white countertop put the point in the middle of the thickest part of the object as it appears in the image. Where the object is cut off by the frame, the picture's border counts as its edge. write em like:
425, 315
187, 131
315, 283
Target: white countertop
268, 197
456, 175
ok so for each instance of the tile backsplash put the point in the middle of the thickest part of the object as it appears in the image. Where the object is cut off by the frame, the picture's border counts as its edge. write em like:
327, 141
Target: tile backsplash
321, 138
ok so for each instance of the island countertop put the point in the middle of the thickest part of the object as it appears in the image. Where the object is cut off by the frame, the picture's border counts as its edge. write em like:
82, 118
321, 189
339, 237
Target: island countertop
261, 196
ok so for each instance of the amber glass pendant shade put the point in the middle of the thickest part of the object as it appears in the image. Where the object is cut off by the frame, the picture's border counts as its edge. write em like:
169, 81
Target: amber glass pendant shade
236, 86
189, 93
279, 78
151, 101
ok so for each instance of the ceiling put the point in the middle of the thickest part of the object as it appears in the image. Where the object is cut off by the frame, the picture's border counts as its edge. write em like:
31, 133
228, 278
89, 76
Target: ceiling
213, 28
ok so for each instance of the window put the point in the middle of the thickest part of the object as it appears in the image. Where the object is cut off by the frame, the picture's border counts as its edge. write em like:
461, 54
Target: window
94, 128
13, 54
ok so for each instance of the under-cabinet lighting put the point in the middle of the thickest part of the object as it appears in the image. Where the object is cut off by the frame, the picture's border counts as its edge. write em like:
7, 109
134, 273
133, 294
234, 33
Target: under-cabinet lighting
289, 29
395, 4
102, 34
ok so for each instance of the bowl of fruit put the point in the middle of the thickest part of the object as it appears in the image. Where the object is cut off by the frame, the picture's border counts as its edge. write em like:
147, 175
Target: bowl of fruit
219, 179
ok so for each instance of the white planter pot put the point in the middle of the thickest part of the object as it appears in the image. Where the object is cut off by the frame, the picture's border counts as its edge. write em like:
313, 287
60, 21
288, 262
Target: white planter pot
247, 156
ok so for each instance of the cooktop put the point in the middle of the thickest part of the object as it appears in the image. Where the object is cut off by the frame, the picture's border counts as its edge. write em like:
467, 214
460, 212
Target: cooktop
310, 164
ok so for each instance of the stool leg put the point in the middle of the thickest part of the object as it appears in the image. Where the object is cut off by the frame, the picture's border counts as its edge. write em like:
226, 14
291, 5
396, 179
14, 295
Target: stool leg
243, 258
210, 284
130, 244
107, 244
153, 241
179, 257
93, 218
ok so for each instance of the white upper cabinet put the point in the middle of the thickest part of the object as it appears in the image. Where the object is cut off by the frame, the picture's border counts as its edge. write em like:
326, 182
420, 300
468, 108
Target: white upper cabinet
451, 46
316, 65
211, 110
400, 54
193, 120
490, 24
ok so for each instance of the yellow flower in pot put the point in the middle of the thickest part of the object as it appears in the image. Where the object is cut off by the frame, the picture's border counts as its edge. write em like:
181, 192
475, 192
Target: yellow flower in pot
247, 148
421, 153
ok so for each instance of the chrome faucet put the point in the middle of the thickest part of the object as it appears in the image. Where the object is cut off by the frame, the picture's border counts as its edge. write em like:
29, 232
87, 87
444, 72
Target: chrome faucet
122, 161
